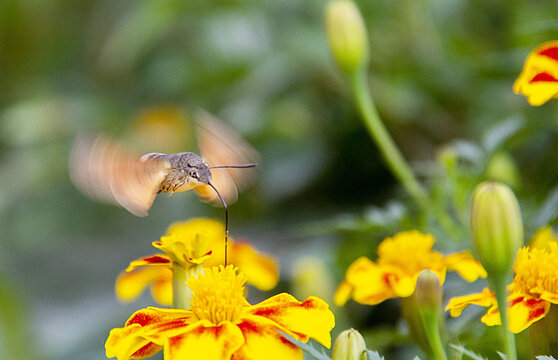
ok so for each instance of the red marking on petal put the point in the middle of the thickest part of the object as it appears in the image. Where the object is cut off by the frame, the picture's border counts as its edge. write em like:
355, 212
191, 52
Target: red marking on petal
248, 327
551, 52
141, 319
146, 351
265, 312
157, 259
543, 77
517, 300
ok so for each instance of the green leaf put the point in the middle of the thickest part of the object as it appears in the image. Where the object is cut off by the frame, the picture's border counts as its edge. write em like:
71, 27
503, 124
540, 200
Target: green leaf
469, 353
373, 355
307, 348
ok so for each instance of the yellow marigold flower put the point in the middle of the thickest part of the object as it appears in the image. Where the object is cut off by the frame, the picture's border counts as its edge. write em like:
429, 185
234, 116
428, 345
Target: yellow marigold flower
533, 290
401, 259
188, 243
539, 79
221, 324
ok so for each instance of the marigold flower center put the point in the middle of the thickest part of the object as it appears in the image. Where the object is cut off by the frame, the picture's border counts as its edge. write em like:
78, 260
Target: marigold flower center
536, 270
411, 251
218, 294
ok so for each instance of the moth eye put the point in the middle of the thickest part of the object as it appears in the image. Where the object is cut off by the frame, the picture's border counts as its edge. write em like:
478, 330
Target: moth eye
193, 173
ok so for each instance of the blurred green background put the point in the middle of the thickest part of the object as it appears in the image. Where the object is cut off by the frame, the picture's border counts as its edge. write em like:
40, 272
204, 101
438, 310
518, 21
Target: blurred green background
441, 70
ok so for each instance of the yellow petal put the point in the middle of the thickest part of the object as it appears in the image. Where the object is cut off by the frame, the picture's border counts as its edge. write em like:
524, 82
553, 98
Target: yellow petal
153, 260
126, 343
457, 304
465, 265
371, 284
524, 311
130, 284
263, 341
538, 80
159, 324
203, 340
262, 270
343, 293
311, 318
161, 291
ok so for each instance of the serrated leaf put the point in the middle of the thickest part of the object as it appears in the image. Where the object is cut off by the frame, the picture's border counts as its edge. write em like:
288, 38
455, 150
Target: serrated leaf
499, 133
544, 357
373, 355
307, 348
467, 352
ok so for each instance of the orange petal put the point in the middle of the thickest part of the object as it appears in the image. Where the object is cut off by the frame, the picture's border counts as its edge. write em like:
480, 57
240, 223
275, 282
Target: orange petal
264, 342
204, 340
309, 319
154, 260
456, 305
465, 265
262, 270
129, 285
538, 80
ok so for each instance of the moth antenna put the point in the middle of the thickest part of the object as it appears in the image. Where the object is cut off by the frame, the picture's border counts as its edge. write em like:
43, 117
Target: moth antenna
243, 166
226, 219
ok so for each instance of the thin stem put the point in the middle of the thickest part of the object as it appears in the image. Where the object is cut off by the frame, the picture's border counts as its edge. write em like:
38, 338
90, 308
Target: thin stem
391, 154
181, 293
500, 289
431, 321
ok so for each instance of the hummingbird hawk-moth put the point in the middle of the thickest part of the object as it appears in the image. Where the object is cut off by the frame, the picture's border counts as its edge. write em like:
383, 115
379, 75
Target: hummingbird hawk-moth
107, 171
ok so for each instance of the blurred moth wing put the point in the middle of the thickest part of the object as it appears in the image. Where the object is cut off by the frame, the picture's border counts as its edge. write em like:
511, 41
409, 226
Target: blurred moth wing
220, 145
106, 171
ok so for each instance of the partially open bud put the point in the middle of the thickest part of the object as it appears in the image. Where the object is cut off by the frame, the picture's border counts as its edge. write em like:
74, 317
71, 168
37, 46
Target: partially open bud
349, 345
497, 227
428, 293
347, 35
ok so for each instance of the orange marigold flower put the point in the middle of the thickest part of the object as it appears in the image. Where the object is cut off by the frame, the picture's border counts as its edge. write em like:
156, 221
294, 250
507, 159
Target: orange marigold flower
533, 290
190, 243
401, 259
539, 79
221, 324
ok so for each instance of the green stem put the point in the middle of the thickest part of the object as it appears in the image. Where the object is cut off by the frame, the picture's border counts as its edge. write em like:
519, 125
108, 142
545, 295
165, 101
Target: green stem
499, 285
181, 293
391, 154
431, 322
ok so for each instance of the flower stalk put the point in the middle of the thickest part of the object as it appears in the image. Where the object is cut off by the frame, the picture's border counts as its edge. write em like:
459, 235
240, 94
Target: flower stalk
348, 41
497, 235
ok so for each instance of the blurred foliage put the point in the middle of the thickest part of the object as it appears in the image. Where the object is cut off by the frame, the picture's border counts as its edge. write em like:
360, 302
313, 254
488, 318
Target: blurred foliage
441, 75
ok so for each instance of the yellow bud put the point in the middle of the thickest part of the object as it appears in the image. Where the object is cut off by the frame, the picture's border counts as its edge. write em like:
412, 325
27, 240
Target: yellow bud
497, 227
349, 345
428, 293
347, 35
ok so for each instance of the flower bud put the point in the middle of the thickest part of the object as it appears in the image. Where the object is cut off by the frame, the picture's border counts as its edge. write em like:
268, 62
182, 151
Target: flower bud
347, 35
497, 227
349, 345
428, 293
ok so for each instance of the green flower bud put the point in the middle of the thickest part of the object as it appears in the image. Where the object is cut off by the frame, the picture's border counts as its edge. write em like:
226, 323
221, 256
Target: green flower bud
347, 35
349, 345
428, 293
497, 227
